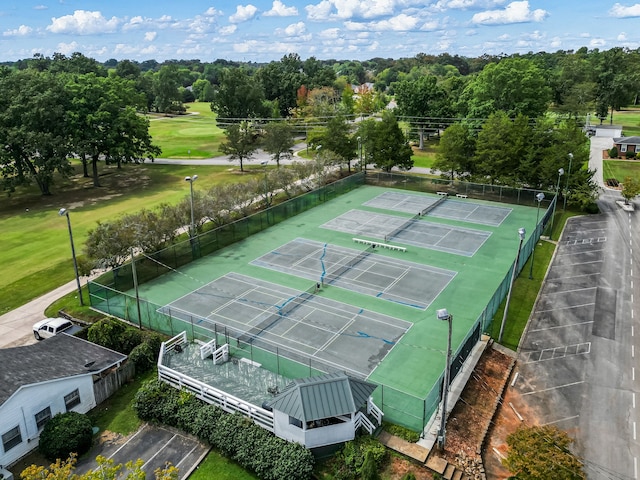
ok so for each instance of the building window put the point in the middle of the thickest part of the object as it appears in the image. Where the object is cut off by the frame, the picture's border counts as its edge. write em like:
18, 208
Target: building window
72, 399
42, 417
623, 147
294, 421
11, 438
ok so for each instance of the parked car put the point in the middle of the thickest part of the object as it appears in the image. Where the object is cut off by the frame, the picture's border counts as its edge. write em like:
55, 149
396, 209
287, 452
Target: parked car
52, 326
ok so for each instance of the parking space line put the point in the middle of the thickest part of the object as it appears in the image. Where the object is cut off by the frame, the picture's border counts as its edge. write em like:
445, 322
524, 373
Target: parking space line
569, 291
634, 430
125, 443
568, 254
158, 452
561, 326
186, 456
635, 467
633, 397
561, 420
574, 276
565, 308
554, 388
579, 263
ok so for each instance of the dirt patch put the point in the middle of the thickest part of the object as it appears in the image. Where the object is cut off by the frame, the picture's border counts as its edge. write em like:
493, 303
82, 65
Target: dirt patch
398, 467
471, 417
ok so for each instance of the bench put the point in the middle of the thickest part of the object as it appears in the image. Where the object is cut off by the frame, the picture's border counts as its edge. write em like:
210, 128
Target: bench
461, 195
381, 245
444, 194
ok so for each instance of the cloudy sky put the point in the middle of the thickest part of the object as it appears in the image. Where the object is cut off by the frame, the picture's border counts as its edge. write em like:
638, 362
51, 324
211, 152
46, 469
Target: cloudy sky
264, 30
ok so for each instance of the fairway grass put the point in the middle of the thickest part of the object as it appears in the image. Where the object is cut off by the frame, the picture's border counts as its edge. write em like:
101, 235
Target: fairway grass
36, 253
193, 135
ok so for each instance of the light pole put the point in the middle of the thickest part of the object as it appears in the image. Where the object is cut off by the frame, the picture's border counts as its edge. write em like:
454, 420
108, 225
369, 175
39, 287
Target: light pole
264, 163
521, 233
555, 202
539, 198
566, 188
192, 232
444, 315
63, 212
360, 153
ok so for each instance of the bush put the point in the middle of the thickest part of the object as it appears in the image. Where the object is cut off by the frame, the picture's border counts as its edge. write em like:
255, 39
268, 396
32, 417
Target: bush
630, 154
350, 461
613, 152
107, 333
402, 432
143, 358
235, 436
64, 434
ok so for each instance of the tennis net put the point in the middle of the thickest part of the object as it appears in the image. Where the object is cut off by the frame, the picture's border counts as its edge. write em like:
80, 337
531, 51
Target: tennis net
402, 227
283, 310
433, 205
342, 269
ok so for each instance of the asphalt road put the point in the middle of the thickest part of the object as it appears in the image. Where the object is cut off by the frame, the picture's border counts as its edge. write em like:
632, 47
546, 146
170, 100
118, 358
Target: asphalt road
577, 362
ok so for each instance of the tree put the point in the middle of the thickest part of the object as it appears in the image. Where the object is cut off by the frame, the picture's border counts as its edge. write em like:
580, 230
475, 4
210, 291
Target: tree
66, 433
421, 98
457, 147
387, 146
104, 122
335, 138
238, 96
281, 81
241, 142
278, 140
515, 86
166, 83
33, 129
630, 188
542, 452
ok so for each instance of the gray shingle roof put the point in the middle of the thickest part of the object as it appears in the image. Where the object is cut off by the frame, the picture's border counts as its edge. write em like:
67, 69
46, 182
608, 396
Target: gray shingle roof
57, 357
324, 396
627, 140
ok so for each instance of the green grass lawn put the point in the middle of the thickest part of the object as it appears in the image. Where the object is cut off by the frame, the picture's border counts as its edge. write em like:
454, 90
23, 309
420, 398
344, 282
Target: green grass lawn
629, 118
36, 253
425, 158
620, 169
195, 135
216, 466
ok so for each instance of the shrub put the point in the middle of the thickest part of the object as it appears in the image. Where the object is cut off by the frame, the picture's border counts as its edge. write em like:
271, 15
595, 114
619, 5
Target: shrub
64, 434
402, 432
129, 339
107, 333
409, 476
630, 154
613, 152
352, 457
150, 398
143, 358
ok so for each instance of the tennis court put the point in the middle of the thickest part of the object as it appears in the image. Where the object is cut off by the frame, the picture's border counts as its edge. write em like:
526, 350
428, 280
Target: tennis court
411, 231
362, 271
300, 323
464, 210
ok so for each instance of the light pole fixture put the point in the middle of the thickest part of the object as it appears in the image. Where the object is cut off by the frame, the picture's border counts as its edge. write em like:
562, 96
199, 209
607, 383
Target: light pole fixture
360, 153
521, 232
444, 315
555, 202
63, 212
566, 188
192, 231
539, 198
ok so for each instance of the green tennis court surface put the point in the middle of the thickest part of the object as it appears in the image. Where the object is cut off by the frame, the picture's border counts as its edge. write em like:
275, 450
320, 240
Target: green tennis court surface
300, 324
374, 314
420, 233
396, 280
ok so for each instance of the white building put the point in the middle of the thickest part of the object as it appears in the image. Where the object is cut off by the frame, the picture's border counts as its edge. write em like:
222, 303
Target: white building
60, 374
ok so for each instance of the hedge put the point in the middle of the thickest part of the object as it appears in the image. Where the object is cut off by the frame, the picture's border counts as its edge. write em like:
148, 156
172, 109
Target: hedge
234, 435
66, 433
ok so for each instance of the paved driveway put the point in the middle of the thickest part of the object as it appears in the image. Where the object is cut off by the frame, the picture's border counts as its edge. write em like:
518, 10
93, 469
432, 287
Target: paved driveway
155, 446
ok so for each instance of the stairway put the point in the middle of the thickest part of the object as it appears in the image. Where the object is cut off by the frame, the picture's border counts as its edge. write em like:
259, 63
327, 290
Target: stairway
446, 469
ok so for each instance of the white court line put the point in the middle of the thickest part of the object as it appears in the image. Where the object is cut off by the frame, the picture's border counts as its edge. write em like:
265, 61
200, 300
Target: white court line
554, 388
565, 308
561, 326
561, 420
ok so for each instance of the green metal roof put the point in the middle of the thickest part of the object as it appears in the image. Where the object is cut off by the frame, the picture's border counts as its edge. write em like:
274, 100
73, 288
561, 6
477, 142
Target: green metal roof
324, 396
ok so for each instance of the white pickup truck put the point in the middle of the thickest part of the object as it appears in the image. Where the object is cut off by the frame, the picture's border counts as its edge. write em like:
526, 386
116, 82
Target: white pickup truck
52, 326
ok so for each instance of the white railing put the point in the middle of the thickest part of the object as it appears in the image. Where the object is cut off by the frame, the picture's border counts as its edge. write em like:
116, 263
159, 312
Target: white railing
207, 349
361, 420
170, 345
213, 396
372, 409
221, 355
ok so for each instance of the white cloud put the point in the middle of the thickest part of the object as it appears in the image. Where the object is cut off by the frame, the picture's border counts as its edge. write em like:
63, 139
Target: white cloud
620, 11
40, 7
21, 31
597, 43
243, 13
622, 37
211, 12
399, 23
259, 47
515, 12
556, 42
349, 9
294, 30
279, 9
228, 30
430, 26
83, 22
372, 48
442, 5
319, 12
150, 36
330, 33
67, 48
